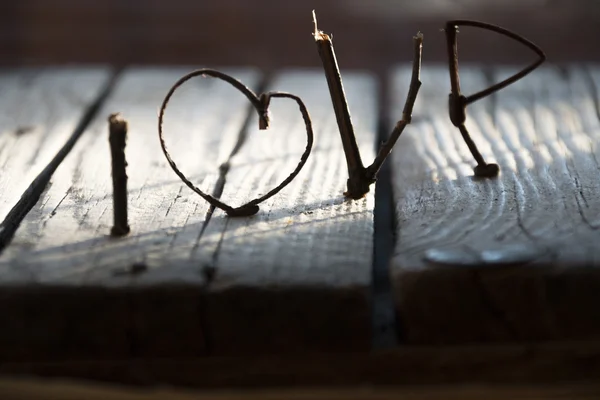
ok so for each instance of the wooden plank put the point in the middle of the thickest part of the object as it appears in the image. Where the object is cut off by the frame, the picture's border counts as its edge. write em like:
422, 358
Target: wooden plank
36, 389
297, 276
42, 112
541, 363
507, 259
64, 279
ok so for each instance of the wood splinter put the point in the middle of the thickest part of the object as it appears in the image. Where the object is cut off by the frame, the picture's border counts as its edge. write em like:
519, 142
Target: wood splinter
117, 139
361, 178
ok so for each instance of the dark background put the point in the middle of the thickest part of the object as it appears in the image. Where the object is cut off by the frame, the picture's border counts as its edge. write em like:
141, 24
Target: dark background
270, 34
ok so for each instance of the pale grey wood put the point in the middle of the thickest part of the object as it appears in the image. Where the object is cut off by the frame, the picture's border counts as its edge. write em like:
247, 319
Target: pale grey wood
64, 264
42, 111
297, 276
506, 259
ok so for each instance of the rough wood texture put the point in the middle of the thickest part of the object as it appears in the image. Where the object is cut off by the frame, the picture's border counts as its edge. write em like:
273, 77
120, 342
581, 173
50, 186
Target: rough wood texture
70, 290
42, 112
506, 259
297, 275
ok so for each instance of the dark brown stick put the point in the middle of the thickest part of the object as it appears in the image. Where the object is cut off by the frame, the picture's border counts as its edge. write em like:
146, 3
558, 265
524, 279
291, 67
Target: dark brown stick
457, 106
411, 97
358, 184
261, 104
117, 138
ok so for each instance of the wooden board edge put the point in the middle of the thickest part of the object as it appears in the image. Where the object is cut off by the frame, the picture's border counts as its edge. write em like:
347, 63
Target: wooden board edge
410, 365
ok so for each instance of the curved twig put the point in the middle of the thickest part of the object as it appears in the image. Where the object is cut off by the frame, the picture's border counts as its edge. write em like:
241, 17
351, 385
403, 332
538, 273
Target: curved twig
261, 104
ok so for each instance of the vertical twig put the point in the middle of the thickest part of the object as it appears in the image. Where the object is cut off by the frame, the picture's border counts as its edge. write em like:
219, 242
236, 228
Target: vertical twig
358, 184
117, 138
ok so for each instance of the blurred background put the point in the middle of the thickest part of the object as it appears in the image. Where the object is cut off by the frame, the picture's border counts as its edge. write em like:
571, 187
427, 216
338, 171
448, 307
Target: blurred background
271, 34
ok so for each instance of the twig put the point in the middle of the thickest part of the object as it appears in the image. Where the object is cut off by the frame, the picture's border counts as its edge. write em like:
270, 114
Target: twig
357, 183
261, 105
361, 178
117, 139
457, 105
413, 91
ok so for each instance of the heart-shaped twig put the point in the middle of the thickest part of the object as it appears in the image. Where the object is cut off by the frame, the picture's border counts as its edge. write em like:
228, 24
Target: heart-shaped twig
261, 104
361, 178
457, 105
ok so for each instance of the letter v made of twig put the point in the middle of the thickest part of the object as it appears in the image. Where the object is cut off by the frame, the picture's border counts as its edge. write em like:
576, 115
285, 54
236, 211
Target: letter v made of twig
361, 177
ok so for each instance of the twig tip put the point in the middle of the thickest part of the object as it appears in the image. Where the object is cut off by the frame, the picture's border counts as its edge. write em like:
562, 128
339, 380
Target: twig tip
318, 35
117, 122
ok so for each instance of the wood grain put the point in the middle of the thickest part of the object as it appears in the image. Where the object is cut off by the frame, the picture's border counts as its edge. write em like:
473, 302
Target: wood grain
70, 290
297, 275
43, 112
508, 259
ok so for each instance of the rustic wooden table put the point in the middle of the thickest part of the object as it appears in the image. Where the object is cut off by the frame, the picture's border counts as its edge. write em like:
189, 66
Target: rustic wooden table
444, 278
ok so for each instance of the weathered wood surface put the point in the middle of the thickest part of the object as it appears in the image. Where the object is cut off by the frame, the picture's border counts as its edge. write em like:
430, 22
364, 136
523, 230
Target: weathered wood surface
295, 277
68, 288
42, 112
406, 365
507, 259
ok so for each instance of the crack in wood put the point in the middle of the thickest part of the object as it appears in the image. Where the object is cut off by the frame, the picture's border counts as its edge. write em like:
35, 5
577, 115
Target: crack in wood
494, 309
384, 318
32, 194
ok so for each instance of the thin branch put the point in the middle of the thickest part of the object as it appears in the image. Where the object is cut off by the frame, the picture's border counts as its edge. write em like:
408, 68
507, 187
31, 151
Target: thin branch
413, 91
261, 104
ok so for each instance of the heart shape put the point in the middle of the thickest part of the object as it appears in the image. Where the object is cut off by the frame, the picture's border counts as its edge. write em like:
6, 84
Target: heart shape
261, 105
